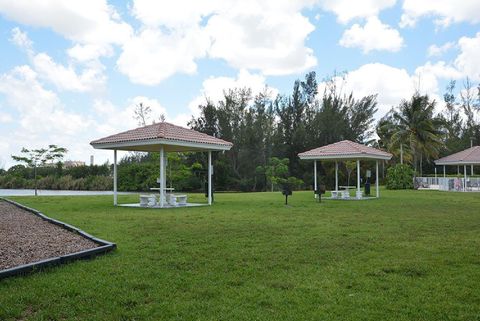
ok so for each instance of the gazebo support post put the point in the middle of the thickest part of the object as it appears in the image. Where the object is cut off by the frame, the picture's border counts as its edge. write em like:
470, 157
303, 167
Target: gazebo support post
209, 177
315, 186
162, 176
336, 176
465, 178
115, 197
377, 191
358, 178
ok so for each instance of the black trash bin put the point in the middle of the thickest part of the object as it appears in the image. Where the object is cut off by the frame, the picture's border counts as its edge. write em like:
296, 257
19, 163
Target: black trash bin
206, 190
367, 188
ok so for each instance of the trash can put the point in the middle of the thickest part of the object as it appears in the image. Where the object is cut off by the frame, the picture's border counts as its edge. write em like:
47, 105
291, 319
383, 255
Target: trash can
367, 188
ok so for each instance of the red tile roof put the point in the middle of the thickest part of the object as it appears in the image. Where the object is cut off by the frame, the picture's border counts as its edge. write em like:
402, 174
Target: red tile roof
344, 149
165, 131
467, 156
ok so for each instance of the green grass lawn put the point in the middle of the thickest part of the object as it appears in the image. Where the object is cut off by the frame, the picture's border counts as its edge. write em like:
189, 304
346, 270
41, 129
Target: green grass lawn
411, 255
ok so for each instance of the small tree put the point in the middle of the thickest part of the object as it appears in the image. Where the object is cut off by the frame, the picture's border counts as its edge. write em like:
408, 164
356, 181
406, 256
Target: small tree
35, 157
275, 170
142, 114
400, 176
350, 166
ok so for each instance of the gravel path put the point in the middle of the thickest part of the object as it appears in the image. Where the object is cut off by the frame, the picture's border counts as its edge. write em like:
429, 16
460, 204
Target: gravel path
26, 238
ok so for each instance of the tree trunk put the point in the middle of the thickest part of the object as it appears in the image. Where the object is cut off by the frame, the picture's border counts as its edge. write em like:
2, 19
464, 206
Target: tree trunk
401, 153
421, 165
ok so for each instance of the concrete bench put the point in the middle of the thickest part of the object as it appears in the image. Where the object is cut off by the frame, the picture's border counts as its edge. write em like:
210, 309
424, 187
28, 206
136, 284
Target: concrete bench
181, 199
176, 199
345, 194
148, 200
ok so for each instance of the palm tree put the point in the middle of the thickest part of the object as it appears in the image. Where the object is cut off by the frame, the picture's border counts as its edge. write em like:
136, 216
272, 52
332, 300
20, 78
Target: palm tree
415, 129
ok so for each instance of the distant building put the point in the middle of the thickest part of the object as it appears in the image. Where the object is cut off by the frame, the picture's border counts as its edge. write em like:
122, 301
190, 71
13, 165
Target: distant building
69, 164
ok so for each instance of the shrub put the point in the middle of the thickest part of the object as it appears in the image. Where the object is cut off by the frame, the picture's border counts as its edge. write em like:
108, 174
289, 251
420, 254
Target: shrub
400, 176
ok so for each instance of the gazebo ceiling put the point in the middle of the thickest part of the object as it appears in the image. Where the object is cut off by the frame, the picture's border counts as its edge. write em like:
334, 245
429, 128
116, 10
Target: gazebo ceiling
172, 137
470, 156
345, 150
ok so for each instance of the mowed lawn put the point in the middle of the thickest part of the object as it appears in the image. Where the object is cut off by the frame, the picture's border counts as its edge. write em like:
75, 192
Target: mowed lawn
411, 255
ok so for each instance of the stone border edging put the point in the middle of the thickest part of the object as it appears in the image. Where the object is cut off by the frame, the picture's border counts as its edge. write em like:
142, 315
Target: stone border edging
104, 247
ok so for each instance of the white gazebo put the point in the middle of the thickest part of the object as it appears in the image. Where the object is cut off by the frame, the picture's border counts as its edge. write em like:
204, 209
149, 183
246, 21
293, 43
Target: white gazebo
345, 150
162, 137
469, 157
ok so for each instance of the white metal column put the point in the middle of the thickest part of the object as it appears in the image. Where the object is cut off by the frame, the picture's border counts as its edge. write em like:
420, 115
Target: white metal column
358, 175
315, 187
162, 176
376, 179
465, 178
209, 177
336, 176
115, 197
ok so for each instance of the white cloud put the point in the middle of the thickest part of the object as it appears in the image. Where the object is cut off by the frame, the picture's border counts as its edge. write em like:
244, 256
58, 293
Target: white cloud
42, 118
213, 88
178, 14
154, 55
20, 39
264, 38
90, 21
427, 75
65, 78
268, 36
445, 11
89, 52
390, 83
435, 50
347, 10
91, 78
467, 60
374, 35
5, 118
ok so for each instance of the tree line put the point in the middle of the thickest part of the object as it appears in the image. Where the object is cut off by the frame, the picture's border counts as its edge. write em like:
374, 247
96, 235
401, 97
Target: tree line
268, 133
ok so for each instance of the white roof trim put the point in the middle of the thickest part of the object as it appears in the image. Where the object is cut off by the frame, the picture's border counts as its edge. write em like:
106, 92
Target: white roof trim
454, 163
167, 142
346, 156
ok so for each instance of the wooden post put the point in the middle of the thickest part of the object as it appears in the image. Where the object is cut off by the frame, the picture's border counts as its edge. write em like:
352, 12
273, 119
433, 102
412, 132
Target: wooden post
115, 197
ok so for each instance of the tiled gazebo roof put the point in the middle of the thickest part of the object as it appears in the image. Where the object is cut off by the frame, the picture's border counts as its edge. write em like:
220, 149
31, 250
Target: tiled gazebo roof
173, 137
345, 149
470, 156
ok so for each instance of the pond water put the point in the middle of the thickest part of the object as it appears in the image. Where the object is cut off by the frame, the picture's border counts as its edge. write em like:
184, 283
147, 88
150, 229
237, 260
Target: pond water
31, 192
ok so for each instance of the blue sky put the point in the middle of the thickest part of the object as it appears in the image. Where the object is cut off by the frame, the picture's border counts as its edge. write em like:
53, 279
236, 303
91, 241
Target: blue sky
73, 71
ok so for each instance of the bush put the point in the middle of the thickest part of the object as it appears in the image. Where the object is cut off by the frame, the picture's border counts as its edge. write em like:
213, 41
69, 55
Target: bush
400, 176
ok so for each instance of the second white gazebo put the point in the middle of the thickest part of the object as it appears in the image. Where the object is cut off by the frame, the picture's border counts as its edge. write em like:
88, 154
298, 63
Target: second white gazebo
343, 151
